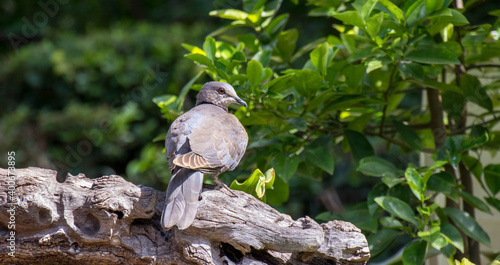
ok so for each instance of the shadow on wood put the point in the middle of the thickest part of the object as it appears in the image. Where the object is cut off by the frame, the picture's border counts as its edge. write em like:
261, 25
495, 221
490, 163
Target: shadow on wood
111, 221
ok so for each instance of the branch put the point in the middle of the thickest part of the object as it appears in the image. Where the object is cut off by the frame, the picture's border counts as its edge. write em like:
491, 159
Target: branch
463, 129
483, 66
398, 142
111, 221
386, 98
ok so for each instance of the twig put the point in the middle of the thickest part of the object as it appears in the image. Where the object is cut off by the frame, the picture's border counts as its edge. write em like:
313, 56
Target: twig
386, 98
398, 142
482, 66
463, 129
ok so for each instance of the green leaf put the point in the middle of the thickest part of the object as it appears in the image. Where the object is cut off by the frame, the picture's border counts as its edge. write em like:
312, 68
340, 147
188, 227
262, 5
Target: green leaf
389, 222
184, 91
414, 253
430, 170
250, 41
380, 241
209, 48
360, 122
277, 25
238, 57
360, 146
265, 182
433, 55
263, 57
397, 207
431, 234
433, 5
408, 135
268, 73
319, 58
377, 167
445, 183
200, 59
373, 64
468, 225
411, 70
492, 178
379, 189
438, 85
164, 101
416, 184
493, 202
474, 201
453, 104
285, 165
351, 18
473, 165
256, 184
249, 184
320, 157
393, 9
373, 25
254, 73
452, 235
232, 14
253, 5
475, 92
354, 74
298, 123
447, 32
307, 82
279, 193
192, 49
367, 8
286, 43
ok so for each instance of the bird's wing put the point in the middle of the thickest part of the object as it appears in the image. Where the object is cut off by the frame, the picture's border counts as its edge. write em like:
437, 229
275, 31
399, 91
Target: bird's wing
177, 141
218, 141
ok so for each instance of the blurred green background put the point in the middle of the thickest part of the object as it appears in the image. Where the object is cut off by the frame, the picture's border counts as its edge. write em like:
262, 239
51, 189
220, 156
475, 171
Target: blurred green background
77, 81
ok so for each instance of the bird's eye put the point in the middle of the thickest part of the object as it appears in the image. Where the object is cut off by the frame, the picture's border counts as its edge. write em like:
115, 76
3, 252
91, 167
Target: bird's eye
221, 90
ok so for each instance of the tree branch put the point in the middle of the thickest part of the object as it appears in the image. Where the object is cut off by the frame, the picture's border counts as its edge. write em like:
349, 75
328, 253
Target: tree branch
483, 66
111, 221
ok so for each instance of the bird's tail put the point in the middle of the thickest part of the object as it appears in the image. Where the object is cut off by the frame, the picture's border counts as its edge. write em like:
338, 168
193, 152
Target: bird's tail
182, 199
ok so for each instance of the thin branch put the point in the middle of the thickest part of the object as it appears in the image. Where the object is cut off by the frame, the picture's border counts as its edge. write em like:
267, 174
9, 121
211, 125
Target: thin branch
463, 129
386, 98
398, 142
416, 126
483, 66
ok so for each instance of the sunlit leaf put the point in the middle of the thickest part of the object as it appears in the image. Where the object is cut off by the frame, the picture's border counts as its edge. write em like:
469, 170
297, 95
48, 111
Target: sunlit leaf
468, 225
209, 48
452, 235
254, 73
232, 14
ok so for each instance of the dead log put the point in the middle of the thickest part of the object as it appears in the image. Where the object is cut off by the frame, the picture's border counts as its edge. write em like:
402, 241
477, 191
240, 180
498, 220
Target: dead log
109, 220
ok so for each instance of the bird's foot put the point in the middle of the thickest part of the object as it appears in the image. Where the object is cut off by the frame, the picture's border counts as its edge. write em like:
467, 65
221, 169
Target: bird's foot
221, 184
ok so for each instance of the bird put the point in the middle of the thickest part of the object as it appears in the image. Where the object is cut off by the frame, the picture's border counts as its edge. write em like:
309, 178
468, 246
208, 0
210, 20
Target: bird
205, 140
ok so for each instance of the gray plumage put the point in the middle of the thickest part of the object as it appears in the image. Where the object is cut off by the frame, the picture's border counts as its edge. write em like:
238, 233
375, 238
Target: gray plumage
205, 140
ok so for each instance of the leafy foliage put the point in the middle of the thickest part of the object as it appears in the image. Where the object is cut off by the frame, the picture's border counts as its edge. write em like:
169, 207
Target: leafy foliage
359, 86
80, 101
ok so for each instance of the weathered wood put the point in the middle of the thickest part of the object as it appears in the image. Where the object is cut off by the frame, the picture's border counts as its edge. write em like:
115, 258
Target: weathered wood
111, 221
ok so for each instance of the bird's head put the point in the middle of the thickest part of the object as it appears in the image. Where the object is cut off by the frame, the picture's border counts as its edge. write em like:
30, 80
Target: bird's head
220, 94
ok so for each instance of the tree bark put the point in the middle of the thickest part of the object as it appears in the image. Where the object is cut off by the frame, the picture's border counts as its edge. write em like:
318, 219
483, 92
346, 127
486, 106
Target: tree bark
111, 221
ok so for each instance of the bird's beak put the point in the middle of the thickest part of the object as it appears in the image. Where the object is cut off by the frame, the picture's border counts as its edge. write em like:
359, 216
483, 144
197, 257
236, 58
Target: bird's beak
241, 102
